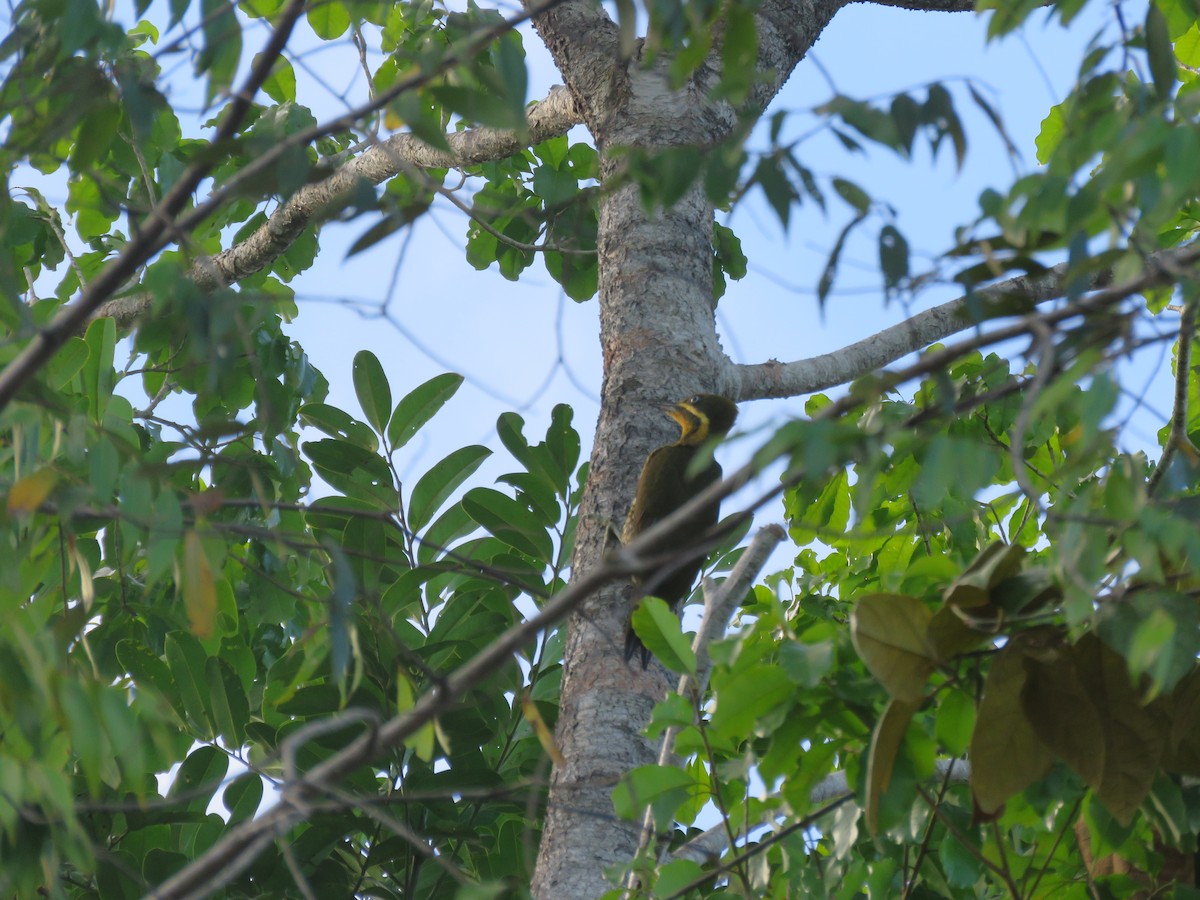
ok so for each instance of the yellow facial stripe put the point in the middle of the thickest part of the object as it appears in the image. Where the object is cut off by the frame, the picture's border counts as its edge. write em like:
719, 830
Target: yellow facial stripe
693, 422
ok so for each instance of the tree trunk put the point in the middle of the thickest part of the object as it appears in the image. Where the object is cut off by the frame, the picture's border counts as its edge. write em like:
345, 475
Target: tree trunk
658, 336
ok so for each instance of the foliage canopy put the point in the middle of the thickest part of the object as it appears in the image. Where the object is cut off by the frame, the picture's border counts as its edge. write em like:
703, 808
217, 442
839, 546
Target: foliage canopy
211, 570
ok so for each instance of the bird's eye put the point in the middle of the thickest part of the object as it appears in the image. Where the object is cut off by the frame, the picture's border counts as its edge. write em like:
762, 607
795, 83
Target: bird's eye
694, 400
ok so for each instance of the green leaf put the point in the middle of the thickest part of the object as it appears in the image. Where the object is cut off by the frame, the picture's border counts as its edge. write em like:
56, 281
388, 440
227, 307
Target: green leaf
280, 85
328, 19
67, 362
222, 49
747, 694
199, 777
354, 471
662, 788
955, 722
242, 797
339, 424
893, 259
825, 283
371, 386
436, 485
231, 710
1161, 53
510, 522
451, 525
853, 194
187, 661
553, 185
1051, 134
98, 374
659, 629
199, 588
419, 406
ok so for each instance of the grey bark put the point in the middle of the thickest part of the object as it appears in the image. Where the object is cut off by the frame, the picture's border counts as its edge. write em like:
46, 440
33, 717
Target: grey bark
659, 344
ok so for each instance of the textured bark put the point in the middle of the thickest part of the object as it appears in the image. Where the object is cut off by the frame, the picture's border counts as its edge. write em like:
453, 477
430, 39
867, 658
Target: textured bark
311, 204
659, 344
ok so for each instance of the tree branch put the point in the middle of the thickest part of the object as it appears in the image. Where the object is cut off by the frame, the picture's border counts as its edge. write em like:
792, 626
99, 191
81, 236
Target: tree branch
585, 45
157, 224
1178, 436
720, 601
553, 116
1013, 296
926, 5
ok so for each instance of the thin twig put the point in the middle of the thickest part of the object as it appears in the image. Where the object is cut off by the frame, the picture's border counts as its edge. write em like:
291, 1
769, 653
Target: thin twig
1178, 436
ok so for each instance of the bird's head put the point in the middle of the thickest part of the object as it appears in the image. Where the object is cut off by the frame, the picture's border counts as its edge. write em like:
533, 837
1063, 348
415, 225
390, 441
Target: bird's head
703, 416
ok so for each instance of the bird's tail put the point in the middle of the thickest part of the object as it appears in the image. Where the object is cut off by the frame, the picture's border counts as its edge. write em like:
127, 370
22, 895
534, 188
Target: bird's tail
633, 644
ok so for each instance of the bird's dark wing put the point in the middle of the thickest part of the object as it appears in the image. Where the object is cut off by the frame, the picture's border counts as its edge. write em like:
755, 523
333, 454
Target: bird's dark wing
666, 470
662, 489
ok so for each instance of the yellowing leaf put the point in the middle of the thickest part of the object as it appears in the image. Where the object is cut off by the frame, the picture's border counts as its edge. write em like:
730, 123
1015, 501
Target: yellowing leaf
28, 493
87, 587
1006, 755
422, 741
1063, 715
995, 562
1134, 739
890, 633
544, 735
885, 744
199, 589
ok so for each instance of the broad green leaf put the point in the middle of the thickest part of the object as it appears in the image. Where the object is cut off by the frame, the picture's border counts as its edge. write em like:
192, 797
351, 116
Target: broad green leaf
222, 50
509, 521
451, 525
242, 797
230, 709
199, 777
280, 85
436, 485
419, 406
371, 386
1160, 52
95, 756
747, 694
1051, 135
67, 362
658, 628
328, 19
893, 259
187, 660
98, 375
853, 194
955, 722
355, 471
662, 788
807, 663
339, 424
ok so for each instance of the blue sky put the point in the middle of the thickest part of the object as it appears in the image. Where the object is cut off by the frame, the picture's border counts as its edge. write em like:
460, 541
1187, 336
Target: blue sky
525, 346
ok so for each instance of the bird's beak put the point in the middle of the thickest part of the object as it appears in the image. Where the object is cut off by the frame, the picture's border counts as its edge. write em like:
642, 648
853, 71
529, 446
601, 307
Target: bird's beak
679, 415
